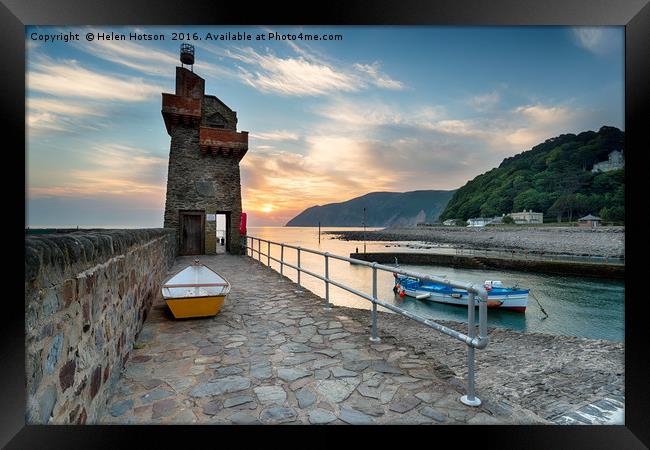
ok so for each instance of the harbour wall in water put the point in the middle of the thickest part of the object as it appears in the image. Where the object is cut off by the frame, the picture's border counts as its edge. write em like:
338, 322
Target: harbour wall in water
87, 294
612, 271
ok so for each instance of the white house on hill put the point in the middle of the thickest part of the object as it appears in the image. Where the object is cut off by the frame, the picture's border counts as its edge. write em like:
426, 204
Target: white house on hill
614, 162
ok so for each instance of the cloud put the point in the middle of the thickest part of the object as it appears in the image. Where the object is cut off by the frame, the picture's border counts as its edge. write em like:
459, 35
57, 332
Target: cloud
532, 124
455, 127
62, 107
278, 185
291, 75
37, 121
515, 129
545, 115
49, 114
501, 132
358, 116
111, 170
69, 79
599, 40
277, 135
377, 78
485, 102
31, 45
146, 58
302, 73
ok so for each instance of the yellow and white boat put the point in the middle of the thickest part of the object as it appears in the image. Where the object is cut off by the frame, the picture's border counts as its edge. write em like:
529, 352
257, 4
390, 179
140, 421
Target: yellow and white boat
195, 291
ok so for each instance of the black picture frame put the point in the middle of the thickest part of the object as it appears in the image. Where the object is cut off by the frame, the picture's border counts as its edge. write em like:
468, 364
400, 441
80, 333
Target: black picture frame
633, 14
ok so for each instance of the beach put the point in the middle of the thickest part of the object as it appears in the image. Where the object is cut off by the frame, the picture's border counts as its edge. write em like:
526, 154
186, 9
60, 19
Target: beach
606, 242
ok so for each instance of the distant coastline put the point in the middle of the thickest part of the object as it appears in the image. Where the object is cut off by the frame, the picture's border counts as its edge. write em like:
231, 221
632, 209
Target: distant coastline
608, 242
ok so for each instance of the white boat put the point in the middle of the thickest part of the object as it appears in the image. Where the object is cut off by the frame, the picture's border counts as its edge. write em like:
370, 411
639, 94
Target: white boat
195, 291
508, 298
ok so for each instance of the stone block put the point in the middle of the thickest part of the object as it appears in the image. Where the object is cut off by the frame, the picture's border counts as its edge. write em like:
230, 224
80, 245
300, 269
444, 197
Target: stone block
54, 353
66, 374
95, 381
50, 302
46, 403
69, 292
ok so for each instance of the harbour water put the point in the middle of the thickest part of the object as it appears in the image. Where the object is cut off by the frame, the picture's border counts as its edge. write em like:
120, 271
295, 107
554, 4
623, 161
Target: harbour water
592, 308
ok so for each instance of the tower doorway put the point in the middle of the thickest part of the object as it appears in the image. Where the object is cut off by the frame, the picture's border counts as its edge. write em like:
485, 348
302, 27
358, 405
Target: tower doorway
222, 236
223, 231
192, 232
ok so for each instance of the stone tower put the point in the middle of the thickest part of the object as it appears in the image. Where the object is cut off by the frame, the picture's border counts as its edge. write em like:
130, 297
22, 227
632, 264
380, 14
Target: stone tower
203, 173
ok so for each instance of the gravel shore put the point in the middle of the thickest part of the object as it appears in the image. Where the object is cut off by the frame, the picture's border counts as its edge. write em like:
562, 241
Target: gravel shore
603, 241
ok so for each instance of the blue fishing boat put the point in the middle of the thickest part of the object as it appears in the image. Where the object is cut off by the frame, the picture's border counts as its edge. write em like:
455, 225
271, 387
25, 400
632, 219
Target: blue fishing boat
500, 297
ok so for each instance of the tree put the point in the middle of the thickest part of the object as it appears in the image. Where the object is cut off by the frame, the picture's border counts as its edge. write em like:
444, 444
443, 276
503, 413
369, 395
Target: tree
553, 177
613, 214
507, 220
529, 199
566, 203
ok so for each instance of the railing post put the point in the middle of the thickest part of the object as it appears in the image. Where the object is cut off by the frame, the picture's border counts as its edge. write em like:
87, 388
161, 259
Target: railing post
298, 266
281, 259
470, 399
373, 335
268, 255
327, 282
482, 317
259, 253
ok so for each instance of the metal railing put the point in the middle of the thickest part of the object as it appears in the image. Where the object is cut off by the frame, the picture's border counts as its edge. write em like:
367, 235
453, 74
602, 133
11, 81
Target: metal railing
470, 339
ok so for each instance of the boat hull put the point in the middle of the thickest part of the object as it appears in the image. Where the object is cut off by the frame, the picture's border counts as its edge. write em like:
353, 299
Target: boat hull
184, 308
502, 299
195, 291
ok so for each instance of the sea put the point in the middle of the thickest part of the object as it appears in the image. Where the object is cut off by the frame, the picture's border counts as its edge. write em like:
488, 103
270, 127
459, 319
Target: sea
575, 306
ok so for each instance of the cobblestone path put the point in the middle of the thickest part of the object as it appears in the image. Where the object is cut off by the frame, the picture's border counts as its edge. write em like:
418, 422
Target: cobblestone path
563, 379
274, 355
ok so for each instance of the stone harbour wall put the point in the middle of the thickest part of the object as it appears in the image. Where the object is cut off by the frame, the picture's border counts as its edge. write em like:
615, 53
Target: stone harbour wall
563, 268
87, 294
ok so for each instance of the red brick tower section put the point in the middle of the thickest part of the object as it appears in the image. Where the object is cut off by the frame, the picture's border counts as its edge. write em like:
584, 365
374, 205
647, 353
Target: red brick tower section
203, 176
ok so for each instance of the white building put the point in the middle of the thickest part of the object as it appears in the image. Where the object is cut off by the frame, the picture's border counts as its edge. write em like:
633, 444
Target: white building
449, 222
527, 217
479, 221
615, 161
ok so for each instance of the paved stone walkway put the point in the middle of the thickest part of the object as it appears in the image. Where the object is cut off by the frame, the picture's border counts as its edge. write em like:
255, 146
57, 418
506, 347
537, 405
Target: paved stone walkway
274, 355
564, 379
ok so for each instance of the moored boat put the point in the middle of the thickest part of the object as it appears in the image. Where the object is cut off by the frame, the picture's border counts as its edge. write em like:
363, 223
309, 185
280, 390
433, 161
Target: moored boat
507, 298
195, 291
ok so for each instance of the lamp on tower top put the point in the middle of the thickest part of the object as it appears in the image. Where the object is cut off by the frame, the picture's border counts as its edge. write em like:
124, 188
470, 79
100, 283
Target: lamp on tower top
187, 55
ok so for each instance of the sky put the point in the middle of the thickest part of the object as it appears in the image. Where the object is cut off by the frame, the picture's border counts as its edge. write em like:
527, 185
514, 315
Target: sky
387, 108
